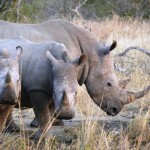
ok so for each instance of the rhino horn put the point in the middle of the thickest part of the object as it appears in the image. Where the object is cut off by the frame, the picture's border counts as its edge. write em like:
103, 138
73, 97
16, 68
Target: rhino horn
8, 78
123, 83
132, 96
65, 99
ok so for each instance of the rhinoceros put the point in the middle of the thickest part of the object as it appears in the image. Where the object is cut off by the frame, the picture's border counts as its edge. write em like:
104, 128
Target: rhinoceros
103, 86
49, 79
10, 86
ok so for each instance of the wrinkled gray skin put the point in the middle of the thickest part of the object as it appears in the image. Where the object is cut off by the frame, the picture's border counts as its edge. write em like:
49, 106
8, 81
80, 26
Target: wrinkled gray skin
49, 80
10, 85
98, 75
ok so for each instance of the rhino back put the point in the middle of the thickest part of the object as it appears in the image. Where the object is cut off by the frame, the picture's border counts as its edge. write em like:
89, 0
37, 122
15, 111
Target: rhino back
75, 38
36, 68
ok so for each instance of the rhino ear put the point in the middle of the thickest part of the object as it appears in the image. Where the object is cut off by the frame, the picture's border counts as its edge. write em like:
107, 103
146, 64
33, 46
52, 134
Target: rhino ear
52, 59
65, 57
113, 45
123, 83
106, 50
19, 50
82, 69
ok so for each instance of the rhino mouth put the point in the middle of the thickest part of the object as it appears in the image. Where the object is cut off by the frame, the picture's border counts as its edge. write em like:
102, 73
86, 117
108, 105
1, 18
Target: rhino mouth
111, 110
8, 102
64, 114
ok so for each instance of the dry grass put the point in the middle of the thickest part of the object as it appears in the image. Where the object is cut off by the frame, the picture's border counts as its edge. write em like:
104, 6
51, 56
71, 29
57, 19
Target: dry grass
90, 134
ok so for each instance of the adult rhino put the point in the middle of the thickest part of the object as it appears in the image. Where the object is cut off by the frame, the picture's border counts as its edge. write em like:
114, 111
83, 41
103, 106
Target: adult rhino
104, 88
10, 86
49, 80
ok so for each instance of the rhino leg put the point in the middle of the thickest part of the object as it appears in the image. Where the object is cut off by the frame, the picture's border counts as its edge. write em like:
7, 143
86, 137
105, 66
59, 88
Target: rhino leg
4, 113
40, 101
11, 125
58, 122
35, 122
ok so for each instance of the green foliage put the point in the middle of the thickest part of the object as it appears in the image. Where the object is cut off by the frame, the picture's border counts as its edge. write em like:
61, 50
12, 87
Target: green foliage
123, 8
4, 5
36, 11
26, 12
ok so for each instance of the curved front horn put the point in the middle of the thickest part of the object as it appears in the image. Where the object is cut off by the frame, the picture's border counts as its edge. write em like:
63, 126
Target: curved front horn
132, 96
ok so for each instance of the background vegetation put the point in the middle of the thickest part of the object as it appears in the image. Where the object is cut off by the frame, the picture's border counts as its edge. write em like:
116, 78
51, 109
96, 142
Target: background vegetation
32, 11
126, 21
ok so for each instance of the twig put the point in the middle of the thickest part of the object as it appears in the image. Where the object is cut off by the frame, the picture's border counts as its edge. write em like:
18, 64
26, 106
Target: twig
147, 52
17, 10
122, 70
76, 10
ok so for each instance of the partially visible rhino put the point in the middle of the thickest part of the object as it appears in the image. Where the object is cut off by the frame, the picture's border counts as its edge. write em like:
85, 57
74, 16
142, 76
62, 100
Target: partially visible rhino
10, 84
49, 80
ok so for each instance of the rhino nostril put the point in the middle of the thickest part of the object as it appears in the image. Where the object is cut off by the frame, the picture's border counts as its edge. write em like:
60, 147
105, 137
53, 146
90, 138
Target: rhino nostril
115, 110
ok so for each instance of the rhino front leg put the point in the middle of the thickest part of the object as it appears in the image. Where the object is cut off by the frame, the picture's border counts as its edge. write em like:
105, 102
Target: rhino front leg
56, 122
35, 123
40, 102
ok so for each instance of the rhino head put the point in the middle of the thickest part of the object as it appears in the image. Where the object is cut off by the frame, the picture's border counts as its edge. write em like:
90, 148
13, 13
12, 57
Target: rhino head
65, 83
103, 86
10, 84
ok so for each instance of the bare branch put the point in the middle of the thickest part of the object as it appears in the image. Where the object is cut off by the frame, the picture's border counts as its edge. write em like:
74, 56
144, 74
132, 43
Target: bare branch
17, 10
117, 68
77, 9
147, 52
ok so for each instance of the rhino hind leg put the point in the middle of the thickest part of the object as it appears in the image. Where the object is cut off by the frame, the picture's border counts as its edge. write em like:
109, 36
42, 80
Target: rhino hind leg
58, 122
35, 123
40, 101
11, 125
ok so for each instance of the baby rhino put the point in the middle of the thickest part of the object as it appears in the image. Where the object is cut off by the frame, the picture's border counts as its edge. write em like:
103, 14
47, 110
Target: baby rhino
49, 80
10, 86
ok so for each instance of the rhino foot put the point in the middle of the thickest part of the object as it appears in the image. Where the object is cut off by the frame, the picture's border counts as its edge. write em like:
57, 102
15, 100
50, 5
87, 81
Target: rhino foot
12, 127
35, 123
58, 122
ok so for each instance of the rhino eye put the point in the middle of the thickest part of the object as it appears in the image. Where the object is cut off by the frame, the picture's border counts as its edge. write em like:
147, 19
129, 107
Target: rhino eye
109, 84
